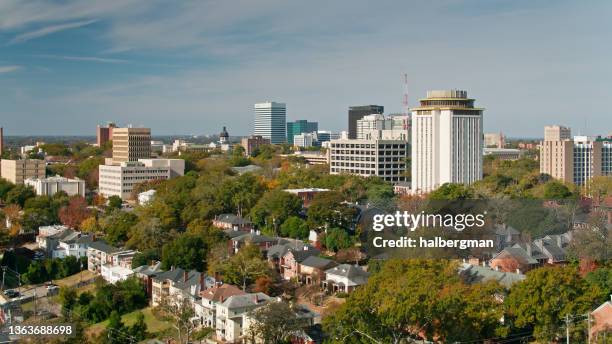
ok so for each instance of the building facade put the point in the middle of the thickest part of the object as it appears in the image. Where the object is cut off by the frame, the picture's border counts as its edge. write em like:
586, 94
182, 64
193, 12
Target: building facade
271, 121
131, 144
104, 134
447, 141
305, 140
494, 140
299, 127
574, 160
356, 113
50, 186
253, 142
382, 158
383, 127
17, 171
119, 180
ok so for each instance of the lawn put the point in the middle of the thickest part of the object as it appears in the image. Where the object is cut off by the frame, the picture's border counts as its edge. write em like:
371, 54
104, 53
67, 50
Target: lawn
154, 325
74, 280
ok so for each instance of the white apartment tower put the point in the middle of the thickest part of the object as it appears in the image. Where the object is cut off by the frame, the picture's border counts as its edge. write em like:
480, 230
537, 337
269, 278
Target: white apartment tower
447, 141
271, 121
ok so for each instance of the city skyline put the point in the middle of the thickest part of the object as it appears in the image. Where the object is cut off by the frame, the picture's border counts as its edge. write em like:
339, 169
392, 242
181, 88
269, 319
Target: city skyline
195, 67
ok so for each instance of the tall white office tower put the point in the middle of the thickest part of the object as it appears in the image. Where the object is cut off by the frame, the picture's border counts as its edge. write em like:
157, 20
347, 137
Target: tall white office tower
270, 121
447, 141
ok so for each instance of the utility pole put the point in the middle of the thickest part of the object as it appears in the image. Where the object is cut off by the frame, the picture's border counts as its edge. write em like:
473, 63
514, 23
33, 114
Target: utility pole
589, 327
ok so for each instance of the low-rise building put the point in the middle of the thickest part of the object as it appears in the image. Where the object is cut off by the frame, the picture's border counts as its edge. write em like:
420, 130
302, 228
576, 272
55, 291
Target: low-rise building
344, 278
602, 322
231, 221
211, 298
522, 257
146, 196
50, 186
481, 274
251, 143
113, 274
312, 269
291, 260
63, 242
179, 283
503, 153
146, 273
383, 158
306, 194
17, 171
100, 253
119, 180
312, 157
264, 242
231, 323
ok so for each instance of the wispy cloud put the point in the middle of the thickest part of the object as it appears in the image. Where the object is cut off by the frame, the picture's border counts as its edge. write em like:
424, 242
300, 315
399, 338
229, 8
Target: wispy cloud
9, 69
50, 30
84, 58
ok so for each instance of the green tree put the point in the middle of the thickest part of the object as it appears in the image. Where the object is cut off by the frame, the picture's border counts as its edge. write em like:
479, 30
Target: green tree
337, 239
275, 322
329, 209
117, 224
138, 330
244, 267
274, 208
185, 251
68, 299
543, 300
114, 202
556, 190
19, 194
451, 192
115, 331
408, 299
294, 227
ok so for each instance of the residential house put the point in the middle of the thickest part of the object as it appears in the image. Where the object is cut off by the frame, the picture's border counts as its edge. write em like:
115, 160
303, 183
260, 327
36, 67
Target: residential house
290, 261
505, 236
552, 249
211, 298
344, 278
46, 231
602, 322
231, 316
312, 269
231, 221
63, 242
478, 274
145, 273
182, 284
100, 253
264, 242
307, 194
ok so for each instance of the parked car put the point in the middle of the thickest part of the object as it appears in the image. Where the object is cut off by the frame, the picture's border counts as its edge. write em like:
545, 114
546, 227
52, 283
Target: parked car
11, 293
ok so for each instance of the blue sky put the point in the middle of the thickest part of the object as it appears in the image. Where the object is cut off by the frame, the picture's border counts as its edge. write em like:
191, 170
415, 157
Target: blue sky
191, 67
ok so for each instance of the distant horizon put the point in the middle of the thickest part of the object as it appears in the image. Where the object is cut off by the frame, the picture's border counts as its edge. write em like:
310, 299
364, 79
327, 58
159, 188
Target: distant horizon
197, 66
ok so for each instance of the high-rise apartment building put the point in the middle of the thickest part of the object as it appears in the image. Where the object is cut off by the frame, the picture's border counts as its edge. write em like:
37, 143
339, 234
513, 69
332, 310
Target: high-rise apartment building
574, 160
383, 158
17, 171
356, 113
104, 134
271, 121
447, 141
557, 133
299, 127
131, 144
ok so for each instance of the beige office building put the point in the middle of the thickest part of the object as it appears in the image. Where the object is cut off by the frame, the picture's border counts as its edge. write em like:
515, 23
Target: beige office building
16, 171
557, 133
131, 144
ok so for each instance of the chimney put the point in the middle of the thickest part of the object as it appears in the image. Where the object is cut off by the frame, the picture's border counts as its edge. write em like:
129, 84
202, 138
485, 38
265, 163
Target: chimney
518, 271
202, 281
559, 241
185, 275
171, 267
484, 263
252, 230
496, 267
529, 249
258, 232
256, 298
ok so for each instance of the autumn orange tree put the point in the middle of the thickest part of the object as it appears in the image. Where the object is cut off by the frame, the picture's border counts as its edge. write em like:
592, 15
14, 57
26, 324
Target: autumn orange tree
73, 214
